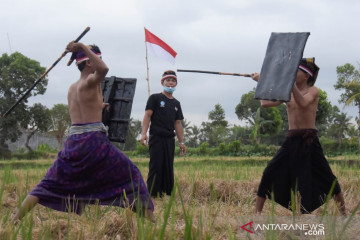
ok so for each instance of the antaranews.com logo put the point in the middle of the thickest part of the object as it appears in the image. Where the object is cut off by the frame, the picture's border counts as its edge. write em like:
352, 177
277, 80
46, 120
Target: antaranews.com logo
307, 228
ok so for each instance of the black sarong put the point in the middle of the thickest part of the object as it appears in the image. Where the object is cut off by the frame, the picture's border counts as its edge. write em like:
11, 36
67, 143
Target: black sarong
161, 167
299, 165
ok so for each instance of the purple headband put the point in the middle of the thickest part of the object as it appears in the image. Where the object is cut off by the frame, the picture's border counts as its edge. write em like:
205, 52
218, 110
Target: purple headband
80, 56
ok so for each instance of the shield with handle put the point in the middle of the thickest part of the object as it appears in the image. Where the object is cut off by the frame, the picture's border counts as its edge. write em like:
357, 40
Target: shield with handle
279, 69
119, 93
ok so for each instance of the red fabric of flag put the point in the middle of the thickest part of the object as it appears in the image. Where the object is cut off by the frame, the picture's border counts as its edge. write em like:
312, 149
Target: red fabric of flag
158, 47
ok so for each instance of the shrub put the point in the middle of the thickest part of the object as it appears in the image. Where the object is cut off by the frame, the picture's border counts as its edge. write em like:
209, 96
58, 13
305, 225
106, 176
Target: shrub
234, 148
222, 149
203, 148
142, 150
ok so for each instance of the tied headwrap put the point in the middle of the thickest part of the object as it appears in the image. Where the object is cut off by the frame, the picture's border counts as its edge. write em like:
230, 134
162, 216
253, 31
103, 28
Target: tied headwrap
80, 56
308, 65
168, 74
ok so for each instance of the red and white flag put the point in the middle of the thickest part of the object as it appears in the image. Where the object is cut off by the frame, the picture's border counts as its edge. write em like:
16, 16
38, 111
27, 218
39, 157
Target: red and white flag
158, 47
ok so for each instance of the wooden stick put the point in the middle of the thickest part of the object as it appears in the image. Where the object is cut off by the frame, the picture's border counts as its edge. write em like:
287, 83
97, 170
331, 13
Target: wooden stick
43, 75
219, 73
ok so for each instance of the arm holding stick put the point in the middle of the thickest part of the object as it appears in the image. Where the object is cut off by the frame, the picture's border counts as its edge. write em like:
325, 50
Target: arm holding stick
43, 75
265, 103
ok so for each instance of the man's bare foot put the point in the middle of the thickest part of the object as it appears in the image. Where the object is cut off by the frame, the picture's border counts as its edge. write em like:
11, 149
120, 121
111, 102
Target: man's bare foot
14, 219
150, 215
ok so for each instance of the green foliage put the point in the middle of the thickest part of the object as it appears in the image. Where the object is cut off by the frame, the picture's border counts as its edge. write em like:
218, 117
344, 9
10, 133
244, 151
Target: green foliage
141, 150
5, 153
217, 116
234, 148
222, 149
39, 121
331, 146
247, 108
323, 112
192, 136
133, 132
215, 131
46, 148
203, 148
272, 121
60, 118
348, 80
17, 74
31, 155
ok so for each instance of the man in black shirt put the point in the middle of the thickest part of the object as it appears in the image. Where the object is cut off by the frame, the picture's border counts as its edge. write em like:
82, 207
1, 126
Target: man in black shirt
165, 114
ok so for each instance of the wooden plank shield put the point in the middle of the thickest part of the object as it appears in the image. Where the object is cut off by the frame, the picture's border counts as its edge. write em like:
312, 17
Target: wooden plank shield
279, 69
119, 93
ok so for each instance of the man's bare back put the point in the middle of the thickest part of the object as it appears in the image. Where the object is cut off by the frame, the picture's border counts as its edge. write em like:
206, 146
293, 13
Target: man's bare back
85, 103
85, 99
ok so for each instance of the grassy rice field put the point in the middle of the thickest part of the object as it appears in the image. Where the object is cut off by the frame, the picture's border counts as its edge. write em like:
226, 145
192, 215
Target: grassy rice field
213, 198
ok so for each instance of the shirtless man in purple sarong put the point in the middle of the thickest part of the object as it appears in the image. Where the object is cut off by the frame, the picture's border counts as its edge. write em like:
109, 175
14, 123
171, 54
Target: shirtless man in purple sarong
90, 169
300, 163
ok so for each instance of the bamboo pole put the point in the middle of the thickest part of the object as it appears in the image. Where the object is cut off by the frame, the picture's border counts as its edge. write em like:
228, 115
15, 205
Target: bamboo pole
219, 73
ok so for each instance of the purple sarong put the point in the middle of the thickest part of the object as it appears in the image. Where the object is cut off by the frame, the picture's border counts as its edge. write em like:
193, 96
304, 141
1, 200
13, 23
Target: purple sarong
90, 170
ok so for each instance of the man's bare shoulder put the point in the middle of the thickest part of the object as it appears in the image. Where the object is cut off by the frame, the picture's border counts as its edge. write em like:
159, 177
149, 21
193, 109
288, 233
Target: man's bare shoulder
313, 89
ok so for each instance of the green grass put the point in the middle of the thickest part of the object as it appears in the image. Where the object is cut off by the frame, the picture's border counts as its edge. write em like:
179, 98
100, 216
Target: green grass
212, 198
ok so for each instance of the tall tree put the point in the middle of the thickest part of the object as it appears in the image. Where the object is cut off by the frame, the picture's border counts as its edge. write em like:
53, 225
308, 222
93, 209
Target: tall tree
218, 126
193, 137
265, 121
39, 121
247, 108
60, 122
241, 133
17, 74
217, 116
268, 122
186, 128
349, 80
341, 126
323, 112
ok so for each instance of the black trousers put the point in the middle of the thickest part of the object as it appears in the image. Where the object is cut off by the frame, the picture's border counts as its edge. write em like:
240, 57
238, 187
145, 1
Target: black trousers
302, 166
161, 167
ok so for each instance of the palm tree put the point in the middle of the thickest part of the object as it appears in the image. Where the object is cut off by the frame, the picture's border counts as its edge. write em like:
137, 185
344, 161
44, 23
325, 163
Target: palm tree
193, 140
186, 128
349, 80
342, 125
354, 99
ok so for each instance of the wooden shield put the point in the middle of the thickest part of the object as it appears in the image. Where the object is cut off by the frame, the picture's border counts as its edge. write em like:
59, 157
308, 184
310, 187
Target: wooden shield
279, 69
119, 93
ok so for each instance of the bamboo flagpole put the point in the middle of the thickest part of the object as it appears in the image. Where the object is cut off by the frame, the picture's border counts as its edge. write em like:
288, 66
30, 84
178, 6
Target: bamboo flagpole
157, 47
147, 70
43, 75
219, 73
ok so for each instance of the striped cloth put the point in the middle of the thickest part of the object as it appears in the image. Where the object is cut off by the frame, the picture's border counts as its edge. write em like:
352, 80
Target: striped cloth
88, 127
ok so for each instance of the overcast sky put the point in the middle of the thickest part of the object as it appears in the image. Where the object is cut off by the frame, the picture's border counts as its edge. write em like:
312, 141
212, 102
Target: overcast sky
223, 35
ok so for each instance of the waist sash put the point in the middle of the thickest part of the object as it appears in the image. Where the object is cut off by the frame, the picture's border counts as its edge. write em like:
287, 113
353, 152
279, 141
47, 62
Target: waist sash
87, 127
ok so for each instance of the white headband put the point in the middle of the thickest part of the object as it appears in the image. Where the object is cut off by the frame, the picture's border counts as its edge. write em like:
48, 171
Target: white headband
168, 76
306, 70
80, 60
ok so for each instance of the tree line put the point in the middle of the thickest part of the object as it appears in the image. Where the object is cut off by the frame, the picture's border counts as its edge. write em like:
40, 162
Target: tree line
264, 126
